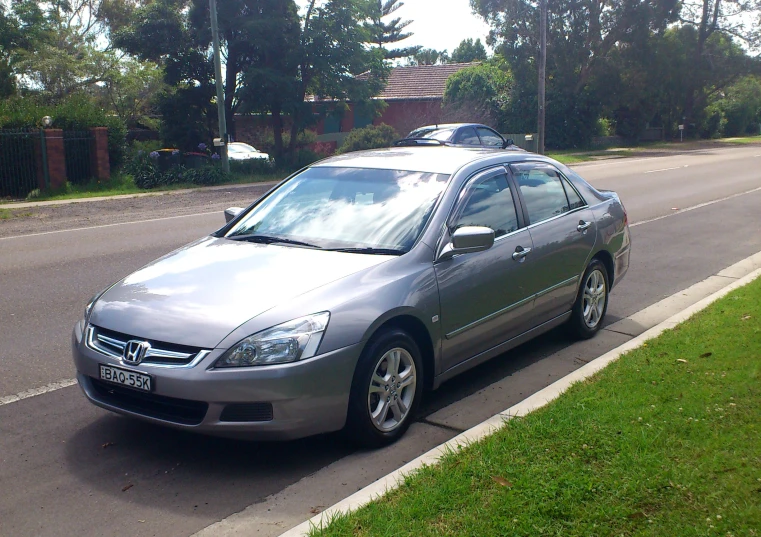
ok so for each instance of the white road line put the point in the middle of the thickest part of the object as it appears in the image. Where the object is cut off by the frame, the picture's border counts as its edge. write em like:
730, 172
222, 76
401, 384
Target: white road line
668, 169
53, 386
108, 225
700, 205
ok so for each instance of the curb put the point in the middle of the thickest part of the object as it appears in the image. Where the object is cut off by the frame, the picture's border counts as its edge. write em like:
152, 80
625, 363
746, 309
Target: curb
486, 428
32, 204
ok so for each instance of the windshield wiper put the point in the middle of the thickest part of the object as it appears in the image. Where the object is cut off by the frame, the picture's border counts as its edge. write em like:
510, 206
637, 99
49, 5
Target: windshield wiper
270, 239
368, 250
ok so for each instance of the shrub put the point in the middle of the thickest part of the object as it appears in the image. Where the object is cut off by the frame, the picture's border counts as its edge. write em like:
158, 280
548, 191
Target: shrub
148, 170
369, 137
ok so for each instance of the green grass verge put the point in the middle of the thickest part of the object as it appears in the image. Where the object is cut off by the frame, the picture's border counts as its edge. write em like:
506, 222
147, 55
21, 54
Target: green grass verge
575, 156
743, 140
664, 442
123, 184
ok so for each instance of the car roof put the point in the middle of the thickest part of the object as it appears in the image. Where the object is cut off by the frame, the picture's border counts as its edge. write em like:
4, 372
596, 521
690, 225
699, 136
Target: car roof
451, 126
429, 159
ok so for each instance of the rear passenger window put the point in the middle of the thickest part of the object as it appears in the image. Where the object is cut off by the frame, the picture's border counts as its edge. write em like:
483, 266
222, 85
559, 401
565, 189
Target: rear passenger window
542, 191
489, 203
467, 136
574, 200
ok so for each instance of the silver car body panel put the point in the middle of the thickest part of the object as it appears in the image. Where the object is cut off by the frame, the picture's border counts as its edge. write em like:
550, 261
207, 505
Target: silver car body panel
213, 293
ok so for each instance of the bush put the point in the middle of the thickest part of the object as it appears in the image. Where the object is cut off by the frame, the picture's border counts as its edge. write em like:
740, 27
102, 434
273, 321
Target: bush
148, 171
370, 137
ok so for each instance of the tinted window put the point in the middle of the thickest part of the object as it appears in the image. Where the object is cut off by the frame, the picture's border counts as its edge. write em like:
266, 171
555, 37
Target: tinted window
574, 200
467, 136
542, 191
490, 138
489, 203
436, 134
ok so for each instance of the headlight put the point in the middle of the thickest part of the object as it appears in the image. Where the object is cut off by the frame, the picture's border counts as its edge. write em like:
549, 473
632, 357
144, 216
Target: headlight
287, 342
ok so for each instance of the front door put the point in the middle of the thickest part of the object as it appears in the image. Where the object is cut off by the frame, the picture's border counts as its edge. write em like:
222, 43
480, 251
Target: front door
485, 297
563, 232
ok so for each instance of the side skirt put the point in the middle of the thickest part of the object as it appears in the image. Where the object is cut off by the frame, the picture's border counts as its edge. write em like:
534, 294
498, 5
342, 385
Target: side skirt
478, 359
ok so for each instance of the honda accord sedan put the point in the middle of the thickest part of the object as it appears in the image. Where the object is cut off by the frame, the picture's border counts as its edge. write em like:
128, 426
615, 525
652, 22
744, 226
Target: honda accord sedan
339, 297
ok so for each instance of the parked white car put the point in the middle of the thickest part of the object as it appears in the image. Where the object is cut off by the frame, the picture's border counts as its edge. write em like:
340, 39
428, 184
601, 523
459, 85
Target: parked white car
241, 151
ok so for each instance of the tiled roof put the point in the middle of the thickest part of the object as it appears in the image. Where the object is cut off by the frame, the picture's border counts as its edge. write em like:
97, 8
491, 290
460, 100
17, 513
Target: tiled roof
419, 81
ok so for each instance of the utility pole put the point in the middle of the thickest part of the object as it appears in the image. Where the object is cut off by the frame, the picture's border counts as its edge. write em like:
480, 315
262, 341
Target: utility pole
542, 69
220, 88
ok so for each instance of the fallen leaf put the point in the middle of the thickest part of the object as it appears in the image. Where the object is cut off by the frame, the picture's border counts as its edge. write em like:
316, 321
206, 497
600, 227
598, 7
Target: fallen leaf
125, 488
675, 208
681, 360
638, 514
502, 481
706, 354
745, 317
317, 509
141, 521
107, 445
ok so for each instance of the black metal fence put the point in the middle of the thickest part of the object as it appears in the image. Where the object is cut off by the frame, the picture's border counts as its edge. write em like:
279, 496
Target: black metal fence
22, 161
76, 148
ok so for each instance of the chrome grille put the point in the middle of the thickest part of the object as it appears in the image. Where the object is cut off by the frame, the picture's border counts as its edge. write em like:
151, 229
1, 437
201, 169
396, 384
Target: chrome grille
160, 354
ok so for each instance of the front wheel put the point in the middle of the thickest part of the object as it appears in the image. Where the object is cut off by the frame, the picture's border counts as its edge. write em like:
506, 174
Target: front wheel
386, 390
591, 302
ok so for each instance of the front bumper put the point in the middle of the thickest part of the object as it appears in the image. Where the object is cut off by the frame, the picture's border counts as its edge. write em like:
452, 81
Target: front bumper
307, 398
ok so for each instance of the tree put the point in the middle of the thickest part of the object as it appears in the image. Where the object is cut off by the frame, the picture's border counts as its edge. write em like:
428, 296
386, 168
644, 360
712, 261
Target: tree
429, 56
478, 93
469, 51
384, 33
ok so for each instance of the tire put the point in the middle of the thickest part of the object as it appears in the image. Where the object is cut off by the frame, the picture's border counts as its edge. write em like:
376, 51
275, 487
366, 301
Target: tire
370, 422
595, 288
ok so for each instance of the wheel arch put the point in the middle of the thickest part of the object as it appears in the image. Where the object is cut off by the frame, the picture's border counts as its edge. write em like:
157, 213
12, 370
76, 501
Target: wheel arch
606, 259
417, 330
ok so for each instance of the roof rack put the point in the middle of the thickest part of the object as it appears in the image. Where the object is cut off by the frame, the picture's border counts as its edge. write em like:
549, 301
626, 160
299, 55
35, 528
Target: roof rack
418, 141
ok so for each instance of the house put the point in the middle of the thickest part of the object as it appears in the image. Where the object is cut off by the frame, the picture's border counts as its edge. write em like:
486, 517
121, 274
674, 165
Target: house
413, 95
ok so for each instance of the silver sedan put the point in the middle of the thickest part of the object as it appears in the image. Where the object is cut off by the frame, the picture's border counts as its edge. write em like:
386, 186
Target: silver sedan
334, 300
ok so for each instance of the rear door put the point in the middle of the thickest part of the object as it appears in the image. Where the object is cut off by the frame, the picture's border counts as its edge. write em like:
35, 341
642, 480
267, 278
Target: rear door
485, 297
563, 232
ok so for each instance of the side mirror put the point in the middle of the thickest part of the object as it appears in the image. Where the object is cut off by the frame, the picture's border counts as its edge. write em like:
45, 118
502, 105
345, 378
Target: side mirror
468, 240
232, 212
508, 143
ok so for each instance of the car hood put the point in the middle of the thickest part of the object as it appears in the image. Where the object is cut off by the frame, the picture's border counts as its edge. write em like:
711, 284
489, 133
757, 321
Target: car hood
200, 293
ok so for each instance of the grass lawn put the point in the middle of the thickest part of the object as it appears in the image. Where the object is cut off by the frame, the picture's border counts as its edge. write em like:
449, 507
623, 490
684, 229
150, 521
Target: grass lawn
664, 442
123, 184
743, 140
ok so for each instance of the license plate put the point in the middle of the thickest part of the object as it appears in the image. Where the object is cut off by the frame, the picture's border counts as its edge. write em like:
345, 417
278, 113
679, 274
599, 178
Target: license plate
125, 377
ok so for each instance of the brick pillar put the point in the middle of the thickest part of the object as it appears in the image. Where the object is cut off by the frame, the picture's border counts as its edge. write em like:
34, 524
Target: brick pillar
56, 157
100, 167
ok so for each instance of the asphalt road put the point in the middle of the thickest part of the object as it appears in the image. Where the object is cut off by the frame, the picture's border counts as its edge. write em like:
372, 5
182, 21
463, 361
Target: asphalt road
69, 468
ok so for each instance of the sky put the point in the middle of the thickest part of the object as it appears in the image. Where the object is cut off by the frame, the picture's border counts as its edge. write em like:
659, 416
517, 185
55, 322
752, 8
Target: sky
438, 24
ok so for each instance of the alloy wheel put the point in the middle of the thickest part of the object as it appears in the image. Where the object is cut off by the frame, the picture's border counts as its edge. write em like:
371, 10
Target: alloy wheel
392, 389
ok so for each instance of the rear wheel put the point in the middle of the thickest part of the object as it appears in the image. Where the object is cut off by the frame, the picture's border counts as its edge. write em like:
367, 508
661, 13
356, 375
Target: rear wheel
591, 302
386, 389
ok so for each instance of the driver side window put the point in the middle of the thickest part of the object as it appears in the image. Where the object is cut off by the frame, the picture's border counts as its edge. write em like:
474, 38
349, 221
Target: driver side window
489, 203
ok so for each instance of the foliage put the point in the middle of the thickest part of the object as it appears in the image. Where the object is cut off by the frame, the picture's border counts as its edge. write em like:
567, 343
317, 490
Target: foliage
369, 137
382, 33
480, 92
738, 109
429, 56
147, 172
469, 51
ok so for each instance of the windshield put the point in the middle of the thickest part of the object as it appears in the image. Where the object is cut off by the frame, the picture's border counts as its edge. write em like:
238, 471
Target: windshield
347, 208
436, 134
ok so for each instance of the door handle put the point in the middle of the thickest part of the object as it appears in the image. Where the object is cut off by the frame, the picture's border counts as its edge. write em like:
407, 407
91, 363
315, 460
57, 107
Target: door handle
519, 255
583, 226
